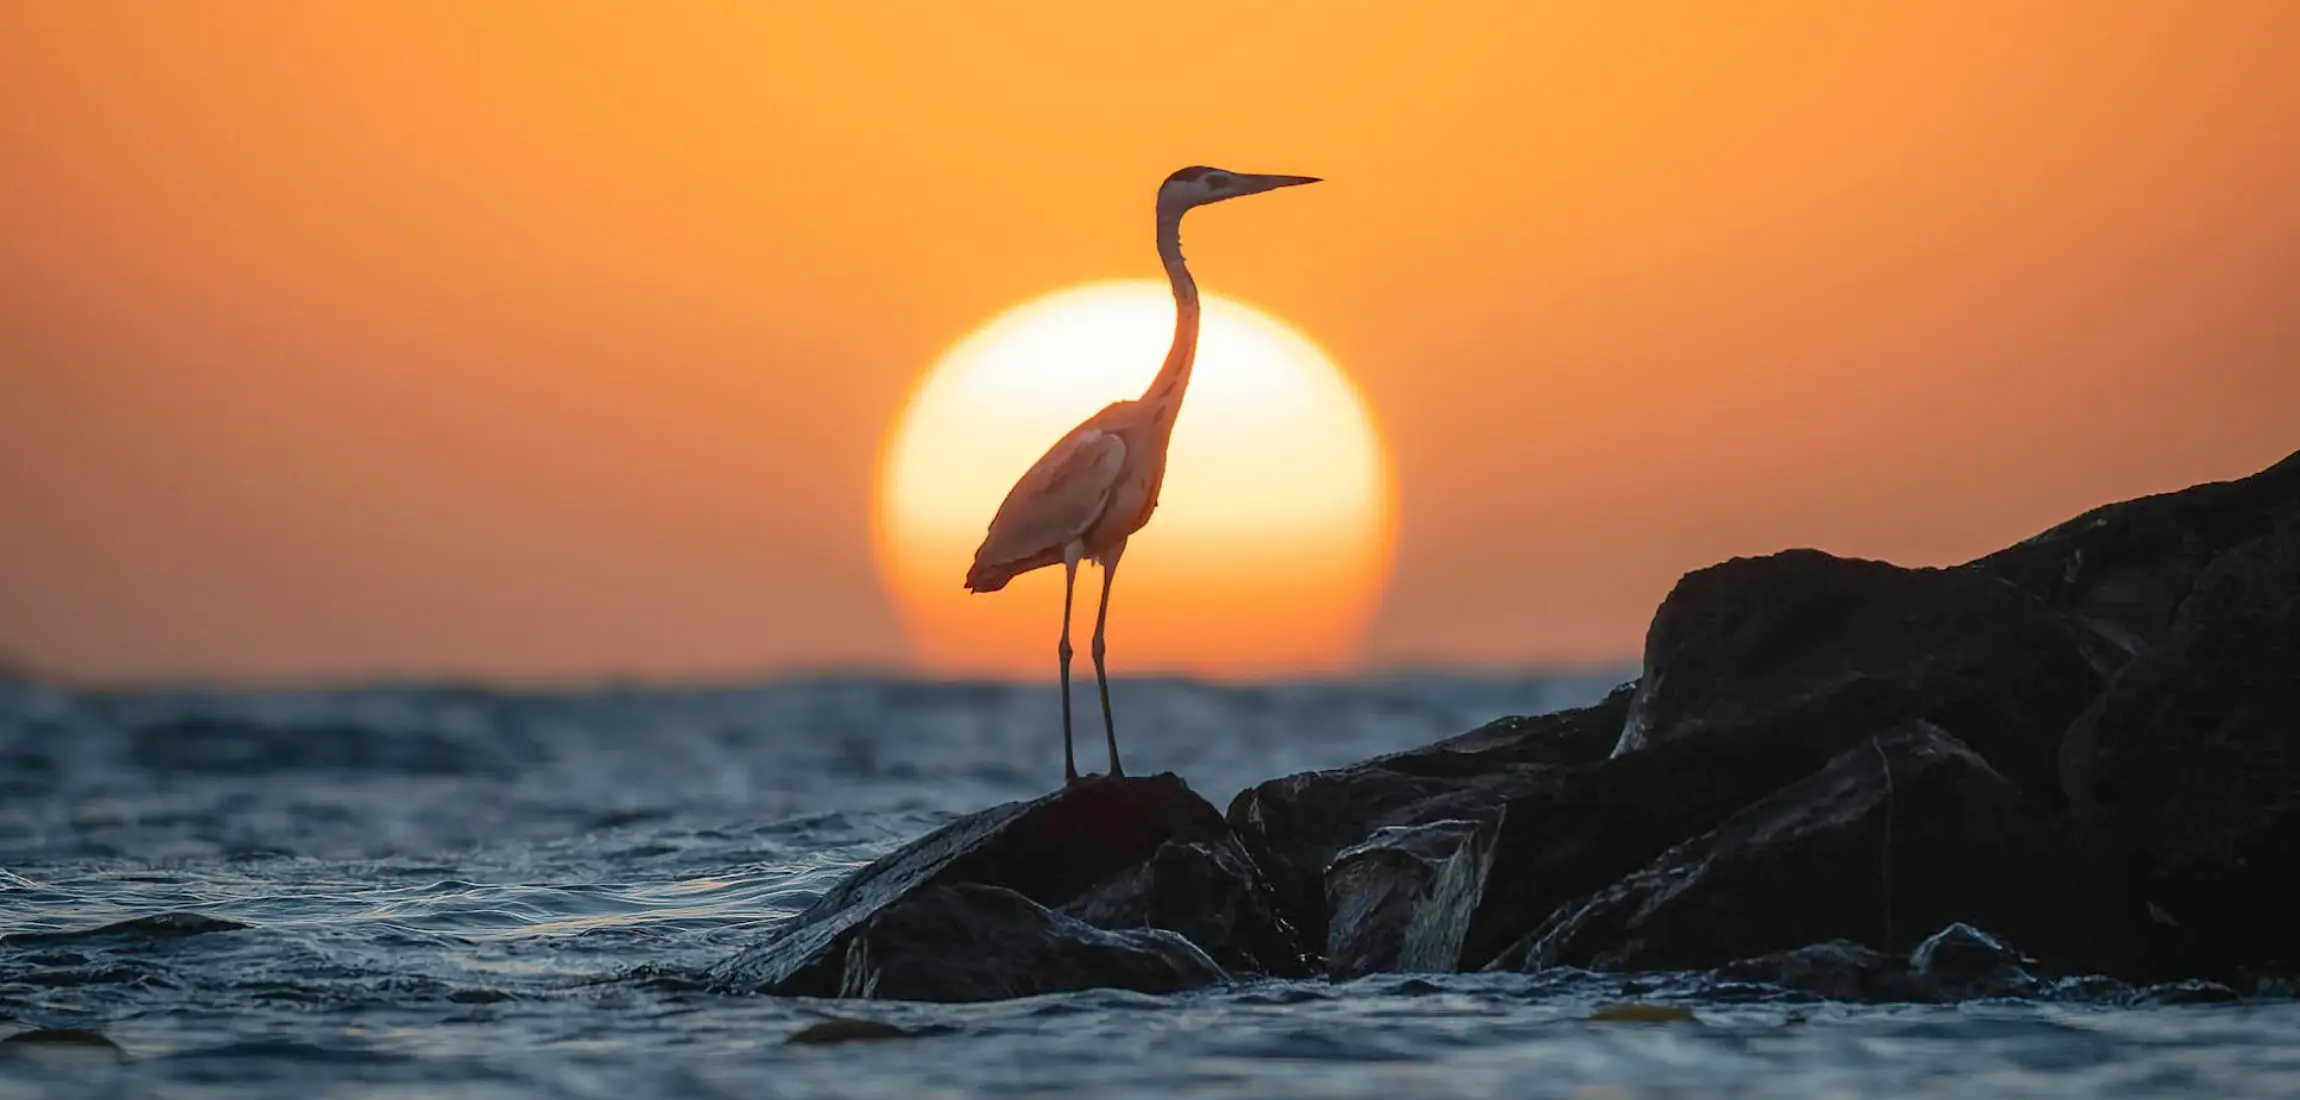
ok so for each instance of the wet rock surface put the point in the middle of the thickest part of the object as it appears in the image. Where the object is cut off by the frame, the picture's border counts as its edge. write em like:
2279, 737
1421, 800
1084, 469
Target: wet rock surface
970, 942
1837, 970
1895, 837
1956, 963
1211, 893
1294, 826
1582, 829
1051, 852
1375, 890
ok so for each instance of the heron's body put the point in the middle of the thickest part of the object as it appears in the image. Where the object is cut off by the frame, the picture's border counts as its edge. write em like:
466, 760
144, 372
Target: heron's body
1080, 501
1099, 483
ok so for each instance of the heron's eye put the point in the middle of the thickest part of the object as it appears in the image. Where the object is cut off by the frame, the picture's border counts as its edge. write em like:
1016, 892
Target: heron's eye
1217, 182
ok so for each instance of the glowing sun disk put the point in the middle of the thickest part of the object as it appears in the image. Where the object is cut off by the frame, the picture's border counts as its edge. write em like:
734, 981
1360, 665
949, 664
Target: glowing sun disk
1273, 533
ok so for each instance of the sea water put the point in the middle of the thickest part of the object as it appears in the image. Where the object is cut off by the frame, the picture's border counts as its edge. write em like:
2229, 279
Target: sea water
455, 892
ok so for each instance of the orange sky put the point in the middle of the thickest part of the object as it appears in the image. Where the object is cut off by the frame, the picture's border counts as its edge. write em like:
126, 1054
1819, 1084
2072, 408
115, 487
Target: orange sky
558, 339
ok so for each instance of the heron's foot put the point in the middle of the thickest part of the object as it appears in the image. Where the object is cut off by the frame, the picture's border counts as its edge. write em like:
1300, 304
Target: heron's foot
1116, 772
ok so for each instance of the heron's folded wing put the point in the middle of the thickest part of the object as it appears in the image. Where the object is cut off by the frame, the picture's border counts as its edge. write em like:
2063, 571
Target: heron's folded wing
1058, 499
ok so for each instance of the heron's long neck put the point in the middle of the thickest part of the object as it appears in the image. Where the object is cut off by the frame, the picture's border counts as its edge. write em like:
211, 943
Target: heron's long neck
1174, 377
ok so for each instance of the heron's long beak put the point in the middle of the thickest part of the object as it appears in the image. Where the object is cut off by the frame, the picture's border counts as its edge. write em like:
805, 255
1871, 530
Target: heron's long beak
1251, 185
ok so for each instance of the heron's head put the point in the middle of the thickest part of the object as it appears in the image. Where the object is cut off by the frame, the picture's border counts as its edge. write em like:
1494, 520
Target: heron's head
1199, 185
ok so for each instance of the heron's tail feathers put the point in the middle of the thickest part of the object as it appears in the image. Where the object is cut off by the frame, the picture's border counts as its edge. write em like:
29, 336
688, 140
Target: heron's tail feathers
986, 579
990, 576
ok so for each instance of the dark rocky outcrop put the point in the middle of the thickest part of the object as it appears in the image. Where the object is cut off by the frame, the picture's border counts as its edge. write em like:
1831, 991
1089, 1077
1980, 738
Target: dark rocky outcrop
1802, 635
2088, 743
1756, 673
1896, 837
1212, 894
1294, 826
1375, 889
1581, 829
969, 942
1051, 851
1836, 970
1759, 671
2188, 768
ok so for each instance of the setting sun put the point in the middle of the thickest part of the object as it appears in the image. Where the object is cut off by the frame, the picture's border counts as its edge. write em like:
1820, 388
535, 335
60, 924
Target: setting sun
1273, 534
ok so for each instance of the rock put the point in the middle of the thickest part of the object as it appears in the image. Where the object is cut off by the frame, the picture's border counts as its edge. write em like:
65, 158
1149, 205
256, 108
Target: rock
1576, 735
1374, 889
1963, 963
1210, 893
969, 942
1049, 850
1436, 935
2130, 565
1908, 832
2188, 768
1581, 829
1836, 970
2189, 991
1869, 644
1957, 963
1294, 826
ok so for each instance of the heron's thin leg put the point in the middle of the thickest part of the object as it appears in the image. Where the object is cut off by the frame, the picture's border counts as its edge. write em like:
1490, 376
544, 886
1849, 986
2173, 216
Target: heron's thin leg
1062, 650
1101, 674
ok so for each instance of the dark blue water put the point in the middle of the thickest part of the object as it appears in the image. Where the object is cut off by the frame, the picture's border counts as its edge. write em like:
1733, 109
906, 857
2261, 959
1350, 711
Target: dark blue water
451, 892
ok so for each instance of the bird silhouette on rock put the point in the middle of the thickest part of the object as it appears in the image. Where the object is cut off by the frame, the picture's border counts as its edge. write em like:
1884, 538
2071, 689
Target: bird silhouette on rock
1099, 483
